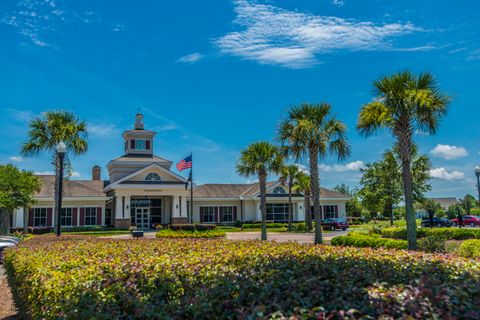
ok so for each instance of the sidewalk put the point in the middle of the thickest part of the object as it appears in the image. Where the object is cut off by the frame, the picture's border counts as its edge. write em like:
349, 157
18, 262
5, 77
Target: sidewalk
7, 307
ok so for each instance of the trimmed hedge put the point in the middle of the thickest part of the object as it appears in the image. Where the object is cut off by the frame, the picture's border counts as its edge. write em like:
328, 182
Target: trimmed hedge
362, 240
446, 233
470, 248
296, 226
168, 233
192, 227
86, 278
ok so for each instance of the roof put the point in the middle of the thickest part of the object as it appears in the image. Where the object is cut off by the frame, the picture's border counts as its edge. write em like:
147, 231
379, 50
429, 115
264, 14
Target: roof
445, 202
141, 158
218, 190
71, 188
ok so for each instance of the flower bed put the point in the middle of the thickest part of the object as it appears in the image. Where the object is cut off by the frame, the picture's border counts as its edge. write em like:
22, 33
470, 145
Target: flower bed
446, 233
168, 233
362, 240
203, 279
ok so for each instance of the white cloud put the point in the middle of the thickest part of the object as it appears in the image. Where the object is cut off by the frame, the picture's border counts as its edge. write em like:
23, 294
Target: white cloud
449, 152
303, 168
272, 35
15, 159
75, 174
103, 130
352, 166
338, 3
190, 58
443, 174
44, 173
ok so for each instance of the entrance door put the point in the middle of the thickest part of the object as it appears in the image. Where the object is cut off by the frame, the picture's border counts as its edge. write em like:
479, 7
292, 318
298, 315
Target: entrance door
142, 218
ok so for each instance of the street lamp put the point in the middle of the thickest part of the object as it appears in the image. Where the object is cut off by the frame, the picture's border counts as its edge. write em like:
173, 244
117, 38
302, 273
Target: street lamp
61, 149
477, 173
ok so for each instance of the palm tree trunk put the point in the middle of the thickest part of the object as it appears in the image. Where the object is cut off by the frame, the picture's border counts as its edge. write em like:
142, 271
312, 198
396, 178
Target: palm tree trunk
289, 206
315, 190
307, 210
408, 189
263, 203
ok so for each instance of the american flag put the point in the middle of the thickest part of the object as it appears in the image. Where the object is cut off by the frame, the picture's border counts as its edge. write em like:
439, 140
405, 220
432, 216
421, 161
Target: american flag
185, 163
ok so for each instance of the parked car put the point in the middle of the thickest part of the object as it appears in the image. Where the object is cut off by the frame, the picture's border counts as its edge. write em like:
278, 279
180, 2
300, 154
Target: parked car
437, 222
334, 223
5, 243
468, 221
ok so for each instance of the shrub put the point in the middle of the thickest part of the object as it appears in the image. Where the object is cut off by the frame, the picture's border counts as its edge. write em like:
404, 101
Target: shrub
192, 227
433, 244
87, 228
40, 230
76, 278
446, 233
470, 248
362, 240
168, 233
270, 225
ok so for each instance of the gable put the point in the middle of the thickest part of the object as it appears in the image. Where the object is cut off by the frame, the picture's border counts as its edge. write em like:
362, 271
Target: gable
155, 173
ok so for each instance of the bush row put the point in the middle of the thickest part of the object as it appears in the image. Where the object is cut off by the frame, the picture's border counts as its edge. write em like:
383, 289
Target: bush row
75, 278
296, 226
168, 233
470, 248
192, 227
446, 233
362, 240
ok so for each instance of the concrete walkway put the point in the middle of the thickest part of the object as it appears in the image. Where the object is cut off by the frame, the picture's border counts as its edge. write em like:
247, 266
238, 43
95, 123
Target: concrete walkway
255, 235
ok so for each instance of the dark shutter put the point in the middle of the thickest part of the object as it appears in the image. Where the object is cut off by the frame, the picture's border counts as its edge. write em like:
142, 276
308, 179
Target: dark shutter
220, 214
216, 215
201, 214
147, 144
30, 217
132, 144
49, 217
99, 216
74, 216
234, 213
82, 216
336, 211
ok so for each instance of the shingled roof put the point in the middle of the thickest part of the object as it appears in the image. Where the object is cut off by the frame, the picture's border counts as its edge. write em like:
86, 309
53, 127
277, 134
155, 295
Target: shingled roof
217, 190
71, 188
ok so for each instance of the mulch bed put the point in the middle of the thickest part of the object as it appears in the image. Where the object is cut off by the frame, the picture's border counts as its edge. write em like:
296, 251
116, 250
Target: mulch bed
7, 307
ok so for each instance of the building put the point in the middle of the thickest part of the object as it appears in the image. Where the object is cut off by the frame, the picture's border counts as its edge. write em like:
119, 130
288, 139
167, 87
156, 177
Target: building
144, 191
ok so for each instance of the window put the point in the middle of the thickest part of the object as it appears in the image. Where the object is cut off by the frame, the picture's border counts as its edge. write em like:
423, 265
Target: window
40, 217
140, 144
152, 176
277, 212
66, 217
227, 214
279, 190
90, 216
208, 214
330, 212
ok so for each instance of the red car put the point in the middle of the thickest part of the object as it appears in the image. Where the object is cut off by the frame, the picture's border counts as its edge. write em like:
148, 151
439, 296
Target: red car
334, 223
468, 221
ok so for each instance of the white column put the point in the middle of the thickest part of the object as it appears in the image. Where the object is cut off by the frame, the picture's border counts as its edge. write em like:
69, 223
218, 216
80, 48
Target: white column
300, 211
184, 207
259, 212
175, 207
122, 207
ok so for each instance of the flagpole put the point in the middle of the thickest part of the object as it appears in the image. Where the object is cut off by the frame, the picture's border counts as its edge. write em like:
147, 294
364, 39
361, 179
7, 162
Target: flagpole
191, 190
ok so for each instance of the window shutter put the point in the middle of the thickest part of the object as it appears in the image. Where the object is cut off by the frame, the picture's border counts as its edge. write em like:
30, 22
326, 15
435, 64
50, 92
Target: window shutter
201, 214
336, 211
220, 214
147, 144
74, 216
234, 213
99, 216
216, 215
49, 217
30, 217
132, 144
82, 216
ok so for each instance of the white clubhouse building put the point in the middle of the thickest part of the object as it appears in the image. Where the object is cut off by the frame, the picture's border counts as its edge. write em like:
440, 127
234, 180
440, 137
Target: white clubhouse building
144, 191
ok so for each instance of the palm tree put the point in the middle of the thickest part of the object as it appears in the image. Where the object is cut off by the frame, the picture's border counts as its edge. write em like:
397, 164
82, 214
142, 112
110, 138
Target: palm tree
260, 159
303, 185
310, 131
288, 176
48, 130
403, 104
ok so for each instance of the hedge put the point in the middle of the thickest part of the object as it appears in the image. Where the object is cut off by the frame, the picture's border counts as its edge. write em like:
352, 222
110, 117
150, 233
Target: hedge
79, 278
362, 240
168, 233
446, 233
296, 226
470, 248
192, 227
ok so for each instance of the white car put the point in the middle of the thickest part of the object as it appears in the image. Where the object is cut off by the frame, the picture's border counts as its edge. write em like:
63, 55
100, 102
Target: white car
6, 242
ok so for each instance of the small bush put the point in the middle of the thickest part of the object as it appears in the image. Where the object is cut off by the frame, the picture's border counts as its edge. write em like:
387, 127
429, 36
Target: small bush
446, 233
470, 248
168, 233
270, 225
40, 230
433, 244
87, 228
192, 227
362, 240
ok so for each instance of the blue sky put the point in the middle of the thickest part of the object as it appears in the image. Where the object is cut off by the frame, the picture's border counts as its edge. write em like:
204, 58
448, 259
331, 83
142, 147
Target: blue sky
213, 76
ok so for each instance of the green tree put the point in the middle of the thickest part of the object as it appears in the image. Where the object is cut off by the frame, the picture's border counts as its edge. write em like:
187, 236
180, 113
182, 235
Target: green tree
352, 206
288, 176
404, 103
440, 213
47, 130
468, 203
430, 206
302, 184
260, 159
311, 131
17, 190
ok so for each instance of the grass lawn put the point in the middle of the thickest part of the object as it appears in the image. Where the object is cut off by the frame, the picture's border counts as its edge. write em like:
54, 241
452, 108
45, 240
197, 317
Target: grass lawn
77, 277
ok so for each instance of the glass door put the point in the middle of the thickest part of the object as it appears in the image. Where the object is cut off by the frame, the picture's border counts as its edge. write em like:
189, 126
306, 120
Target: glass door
142, 218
